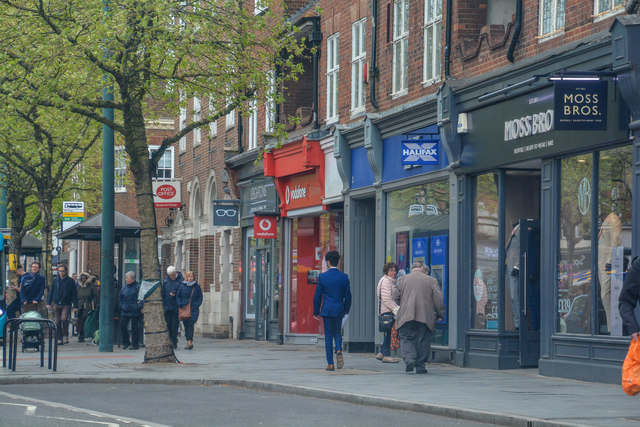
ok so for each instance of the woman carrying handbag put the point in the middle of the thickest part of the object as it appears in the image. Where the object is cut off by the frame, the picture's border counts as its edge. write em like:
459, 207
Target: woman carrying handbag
386, 306
189, 299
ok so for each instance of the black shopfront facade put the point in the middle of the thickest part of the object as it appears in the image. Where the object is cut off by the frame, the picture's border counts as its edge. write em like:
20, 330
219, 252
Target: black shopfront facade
546, 216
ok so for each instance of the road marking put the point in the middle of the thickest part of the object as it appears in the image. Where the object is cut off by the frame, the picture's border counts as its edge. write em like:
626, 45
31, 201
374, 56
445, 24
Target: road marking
30, 409
77, 409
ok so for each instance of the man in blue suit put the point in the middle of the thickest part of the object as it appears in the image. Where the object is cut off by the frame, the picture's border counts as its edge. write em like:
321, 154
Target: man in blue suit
334, 295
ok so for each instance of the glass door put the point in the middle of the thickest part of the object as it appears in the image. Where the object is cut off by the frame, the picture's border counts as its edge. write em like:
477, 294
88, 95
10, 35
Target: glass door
529, 287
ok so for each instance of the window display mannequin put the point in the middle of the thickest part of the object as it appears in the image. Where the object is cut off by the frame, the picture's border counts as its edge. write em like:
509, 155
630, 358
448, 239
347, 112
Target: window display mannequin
608, 238
512, 274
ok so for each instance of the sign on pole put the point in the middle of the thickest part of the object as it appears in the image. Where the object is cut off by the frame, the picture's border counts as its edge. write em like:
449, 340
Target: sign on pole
72, 214
166, 194
226, 213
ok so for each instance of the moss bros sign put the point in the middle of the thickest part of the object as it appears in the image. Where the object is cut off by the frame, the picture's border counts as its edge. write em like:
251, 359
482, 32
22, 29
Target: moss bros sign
580, 105
526, 127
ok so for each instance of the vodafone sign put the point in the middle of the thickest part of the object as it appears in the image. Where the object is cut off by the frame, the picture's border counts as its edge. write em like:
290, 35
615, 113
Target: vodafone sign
166, 194
265, 227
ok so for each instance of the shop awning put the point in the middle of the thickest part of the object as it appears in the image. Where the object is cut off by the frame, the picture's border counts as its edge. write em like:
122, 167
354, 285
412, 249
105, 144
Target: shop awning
91, 228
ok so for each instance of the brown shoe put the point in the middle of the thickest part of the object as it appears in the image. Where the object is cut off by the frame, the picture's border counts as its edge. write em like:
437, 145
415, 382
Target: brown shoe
389, 359
339, 359
330, 368
379, 356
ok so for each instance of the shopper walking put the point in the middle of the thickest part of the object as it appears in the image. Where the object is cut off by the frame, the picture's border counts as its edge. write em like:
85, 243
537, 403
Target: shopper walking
332, 301
420, 301
189, 293
32, 288
387, 305
170, 288
130, 311
62, 296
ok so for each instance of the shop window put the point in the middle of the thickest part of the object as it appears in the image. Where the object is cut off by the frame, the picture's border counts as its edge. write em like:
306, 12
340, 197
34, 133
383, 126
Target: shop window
615, 172
485, 252
417, 224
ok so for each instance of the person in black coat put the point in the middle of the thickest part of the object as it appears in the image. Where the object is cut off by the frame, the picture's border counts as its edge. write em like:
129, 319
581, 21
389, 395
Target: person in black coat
130, 311
63, 295
190, 293
629, 298
32, 288
170, 288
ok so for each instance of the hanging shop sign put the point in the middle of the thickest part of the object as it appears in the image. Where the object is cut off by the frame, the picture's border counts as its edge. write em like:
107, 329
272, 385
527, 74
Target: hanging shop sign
420, 152
226, 213
166, 194
580, 105
265, 226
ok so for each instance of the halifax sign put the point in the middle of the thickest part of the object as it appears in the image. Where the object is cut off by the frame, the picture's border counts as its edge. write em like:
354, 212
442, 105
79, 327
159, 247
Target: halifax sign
420, 152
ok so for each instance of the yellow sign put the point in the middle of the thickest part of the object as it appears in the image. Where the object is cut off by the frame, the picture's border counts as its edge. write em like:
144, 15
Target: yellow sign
72, 214
13, 261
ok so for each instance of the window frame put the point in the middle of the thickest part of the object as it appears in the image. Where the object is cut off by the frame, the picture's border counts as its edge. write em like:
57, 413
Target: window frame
358, 59
252, 125
119, 169
270, 105
168, 151
400, 44
333, 73
197, 116
432, 19
613, 9
555, 30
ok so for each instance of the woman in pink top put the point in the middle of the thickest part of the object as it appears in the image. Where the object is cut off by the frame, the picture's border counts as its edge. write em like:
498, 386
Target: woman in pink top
387, 305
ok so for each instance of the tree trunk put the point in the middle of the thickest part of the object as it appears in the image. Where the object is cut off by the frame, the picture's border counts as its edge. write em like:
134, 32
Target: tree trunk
158, 346
46, 207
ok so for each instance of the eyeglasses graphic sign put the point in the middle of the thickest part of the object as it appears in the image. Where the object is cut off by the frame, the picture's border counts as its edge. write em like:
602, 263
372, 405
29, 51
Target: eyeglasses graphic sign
265, 227
226, 214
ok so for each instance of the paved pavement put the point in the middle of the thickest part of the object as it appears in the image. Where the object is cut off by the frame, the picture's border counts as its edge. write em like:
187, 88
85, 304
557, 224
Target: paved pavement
513, 397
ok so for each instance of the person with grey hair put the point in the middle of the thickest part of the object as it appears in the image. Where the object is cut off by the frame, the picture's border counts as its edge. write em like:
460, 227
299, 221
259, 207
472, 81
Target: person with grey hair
170, 287
130, 311
420, 301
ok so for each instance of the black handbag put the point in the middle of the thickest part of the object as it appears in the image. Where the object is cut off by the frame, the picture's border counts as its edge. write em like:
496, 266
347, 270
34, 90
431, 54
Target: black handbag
385, 320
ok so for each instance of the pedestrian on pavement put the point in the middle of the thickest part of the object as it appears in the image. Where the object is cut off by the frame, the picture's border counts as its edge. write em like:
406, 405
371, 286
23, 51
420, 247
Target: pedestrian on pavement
87, 301
130, 311
332, 301
13, 295
170, 288
629, 298
32, 288
189, 292
386, 304
420, 301
62, 296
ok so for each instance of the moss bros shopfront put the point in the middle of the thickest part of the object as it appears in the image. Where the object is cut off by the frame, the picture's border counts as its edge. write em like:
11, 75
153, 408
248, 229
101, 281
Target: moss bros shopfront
307, 231
544, 191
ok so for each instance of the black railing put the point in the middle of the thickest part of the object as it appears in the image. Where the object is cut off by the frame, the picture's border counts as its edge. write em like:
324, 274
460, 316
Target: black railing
13, 326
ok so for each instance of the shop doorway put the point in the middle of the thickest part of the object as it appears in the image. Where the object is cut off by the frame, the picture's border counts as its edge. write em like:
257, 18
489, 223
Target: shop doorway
262, 294
522, 262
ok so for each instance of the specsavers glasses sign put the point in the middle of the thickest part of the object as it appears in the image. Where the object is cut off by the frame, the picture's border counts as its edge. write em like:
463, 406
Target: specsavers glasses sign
226, 213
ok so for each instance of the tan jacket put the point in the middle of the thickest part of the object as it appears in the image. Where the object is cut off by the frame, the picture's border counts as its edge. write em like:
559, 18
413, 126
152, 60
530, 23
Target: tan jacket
420, 299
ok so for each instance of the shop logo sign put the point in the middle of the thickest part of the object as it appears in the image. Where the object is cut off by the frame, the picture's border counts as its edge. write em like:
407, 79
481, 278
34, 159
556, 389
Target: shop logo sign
532, 124
226, 213
584, 196
265, 227
425, 153
580, 105
298, 192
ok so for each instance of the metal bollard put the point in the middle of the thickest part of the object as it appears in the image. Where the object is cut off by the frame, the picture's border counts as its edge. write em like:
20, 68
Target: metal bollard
230, 326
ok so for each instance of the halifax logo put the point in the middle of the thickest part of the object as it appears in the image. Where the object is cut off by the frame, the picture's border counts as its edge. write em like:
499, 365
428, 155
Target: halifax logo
425, 153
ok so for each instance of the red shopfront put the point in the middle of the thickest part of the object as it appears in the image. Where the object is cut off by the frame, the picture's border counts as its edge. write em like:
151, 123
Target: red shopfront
309, 229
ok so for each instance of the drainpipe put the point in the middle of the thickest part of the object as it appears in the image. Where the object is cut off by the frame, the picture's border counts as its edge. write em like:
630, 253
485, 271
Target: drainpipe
447, 41
631, 7
316, 40
240, 131
374, 37
516, 31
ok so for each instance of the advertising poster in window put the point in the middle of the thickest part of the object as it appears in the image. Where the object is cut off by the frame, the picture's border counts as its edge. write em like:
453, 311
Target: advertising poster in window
419, 248
402, 250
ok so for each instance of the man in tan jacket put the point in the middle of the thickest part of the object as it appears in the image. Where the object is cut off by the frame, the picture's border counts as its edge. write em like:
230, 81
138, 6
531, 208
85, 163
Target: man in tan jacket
420, 301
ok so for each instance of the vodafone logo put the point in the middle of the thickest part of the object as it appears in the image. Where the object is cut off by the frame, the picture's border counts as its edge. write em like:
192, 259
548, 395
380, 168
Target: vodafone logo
166, 191
265, 224
298, 192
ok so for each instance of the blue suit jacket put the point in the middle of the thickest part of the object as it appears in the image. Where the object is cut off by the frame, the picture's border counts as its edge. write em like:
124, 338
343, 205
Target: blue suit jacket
333, 293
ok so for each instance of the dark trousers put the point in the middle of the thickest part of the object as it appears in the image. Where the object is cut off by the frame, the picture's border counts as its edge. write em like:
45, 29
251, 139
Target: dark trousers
80, 322
171, 317
13, 310
188, 329
61, 317
135, 330
415, 343
385, 348
332, 332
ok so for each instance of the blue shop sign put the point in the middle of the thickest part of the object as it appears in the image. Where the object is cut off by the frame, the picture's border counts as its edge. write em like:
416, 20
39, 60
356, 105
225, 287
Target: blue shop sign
430, 160
420, 152
361, 173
